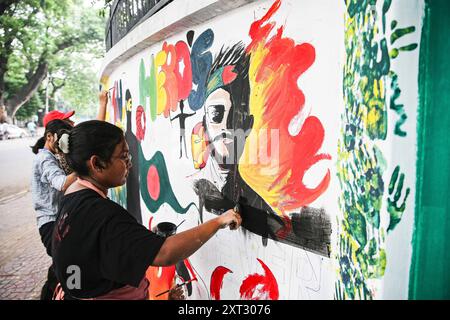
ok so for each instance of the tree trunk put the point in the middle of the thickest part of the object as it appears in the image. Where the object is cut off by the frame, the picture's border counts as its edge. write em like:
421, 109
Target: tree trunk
27, 91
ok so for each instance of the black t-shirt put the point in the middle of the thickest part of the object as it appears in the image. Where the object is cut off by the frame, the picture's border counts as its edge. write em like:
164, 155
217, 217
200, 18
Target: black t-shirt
101, 240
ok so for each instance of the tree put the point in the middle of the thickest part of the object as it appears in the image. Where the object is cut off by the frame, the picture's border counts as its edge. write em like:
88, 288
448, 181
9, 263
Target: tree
35, 37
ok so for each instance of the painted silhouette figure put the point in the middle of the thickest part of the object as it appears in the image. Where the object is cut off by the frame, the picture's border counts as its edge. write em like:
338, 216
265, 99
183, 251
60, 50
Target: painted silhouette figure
182, 118
133, 200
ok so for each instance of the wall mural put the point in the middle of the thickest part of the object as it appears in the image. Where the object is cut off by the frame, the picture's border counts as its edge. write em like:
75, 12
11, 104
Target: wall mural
215, 118
368, 70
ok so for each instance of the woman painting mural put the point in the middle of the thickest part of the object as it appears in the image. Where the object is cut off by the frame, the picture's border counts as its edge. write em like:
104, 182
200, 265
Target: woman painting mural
99, 241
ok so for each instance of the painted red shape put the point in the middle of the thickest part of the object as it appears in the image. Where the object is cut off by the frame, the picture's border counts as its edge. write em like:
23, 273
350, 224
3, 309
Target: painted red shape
286, 229
184, 80
280, 64
228, 75
260, 287
150, 223
217, 281
153, 184
191, 270
140, 123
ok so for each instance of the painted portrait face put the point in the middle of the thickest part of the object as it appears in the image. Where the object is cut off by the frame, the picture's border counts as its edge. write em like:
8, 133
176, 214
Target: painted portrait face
217, 110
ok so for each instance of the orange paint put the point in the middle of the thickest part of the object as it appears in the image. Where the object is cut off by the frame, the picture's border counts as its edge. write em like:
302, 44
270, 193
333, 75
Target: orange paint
161, 279
171, 83
276, 63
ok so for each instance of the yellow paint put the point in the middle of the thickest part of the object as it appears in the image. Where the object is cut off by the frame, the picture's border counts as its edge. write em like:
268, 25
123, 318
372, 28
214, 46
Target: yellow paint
376, 92
261, 176
160, 60
104, 82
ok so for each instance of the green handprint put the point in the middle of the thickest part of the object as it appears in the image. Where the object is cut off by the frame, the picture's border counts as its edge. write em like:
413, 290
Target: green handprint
398, 108
395, 210
368, 70
351, 283
397, 34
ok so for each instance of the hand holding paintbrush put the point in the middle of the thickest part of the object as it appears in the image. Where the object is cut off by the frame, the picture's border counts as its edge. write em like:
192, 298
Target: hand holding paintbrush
231, 218
176, 294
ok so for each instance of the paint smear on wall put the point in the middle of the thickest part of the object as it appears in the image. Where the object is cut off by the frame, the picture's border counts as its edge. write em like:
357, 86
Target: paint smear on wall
276, 63
260, 286
217, 281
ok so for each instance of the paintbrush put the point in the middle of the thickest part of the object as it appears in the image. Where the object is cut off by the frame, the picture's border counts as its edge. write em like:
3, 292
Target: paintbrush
237, 209
177, 286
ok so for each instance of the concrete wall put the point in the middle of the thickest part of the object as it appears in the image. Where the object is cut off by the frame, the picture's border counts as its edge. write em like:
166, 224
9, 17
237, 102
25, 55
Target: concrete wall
322, 99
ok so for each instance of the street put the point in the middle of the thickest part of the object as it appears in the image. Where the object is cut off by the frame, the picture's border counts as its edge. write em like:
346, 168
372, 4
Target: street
15, 165
23, 261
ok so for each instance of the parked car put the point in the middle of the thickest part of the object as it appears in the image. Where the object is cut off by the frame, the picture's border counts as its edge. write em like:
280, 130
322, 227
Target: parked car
12, 131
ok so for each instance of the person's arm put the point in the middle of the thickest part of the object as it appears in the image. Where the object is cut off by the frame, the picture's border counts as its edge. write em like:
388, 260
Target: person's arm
103, 102
182, 245
52, 173
69, 180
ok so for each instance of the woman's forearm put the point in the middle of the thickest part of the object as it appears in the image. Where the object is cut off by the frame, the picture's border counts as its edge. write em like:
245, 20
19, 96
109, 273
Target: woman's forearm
180, 246
103, 102
69, 180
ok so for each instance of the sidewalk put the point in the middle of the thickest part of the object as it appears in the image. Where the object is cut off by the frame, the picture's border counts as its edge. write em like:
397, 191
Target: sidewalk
23, 260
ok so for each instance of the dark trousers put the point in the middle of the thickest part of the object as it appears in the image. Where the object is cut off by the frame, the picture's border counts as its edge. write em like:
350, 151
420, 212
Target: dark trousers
48, 289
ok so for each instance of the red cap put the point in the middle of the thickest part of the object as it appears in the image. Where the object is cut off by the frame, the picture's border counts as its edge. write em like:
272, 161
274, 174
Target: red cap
55, 114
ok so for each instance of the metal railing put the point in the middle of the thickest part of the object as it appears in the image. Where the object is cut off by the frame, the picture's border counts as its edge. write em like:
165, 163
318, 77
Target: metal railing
127, 14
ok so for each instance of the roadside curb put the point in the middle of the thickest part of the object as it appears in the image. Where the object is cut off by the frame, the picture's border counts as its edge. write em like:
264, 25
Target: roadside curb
12, 197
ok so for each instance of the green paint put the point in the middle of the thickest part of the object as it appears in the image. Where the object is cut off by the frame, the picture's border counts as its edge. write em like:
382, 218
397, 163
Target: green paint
386, 7
430, 265
361, 164
398, 108
143, 85
147, 87
398, 33
152, 90
396, 51
119, 195
395, 210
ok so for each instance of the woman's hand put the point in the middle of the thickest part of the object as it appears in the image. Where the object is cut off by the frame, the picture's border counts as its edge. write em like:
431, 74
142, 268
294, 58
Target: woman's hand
103, 97
176, 293
103, 102
230, 218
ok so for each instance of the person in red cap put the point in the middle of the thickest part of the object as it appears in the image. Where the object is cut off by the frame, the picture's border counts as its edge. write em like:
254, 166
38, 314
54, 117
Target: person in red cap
55, 114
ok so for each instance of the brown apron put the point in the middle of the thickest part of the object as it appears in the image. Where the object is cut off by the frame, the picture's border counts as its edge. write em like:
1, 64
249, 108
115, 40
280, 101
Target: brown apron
125, 293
